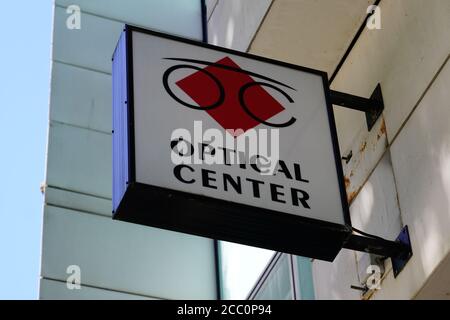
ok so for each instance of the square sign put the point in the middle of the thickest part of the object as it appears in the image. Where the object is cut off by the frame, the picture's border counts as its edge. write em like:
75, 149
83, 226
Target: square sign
226, 145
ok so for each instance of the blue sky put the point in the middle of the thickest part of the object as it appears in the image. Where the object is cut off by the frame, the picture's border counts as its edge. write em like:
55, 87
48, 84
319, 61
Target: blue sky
24, 93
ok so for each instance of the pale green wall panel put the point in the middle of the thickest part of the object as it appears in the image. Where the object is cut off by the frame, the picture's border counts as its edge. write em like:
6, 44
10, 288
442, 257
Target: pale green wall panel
81, 97
78, 201
79, 160
91, 46
78, 228
57, 290
173, 16
127, 257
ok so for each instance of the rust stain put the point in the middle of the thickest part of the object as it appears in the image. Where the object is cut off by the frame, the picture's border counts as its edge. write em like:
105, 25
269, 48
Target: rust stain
382, 131
347, 182
351, 196
363, 147
383, 128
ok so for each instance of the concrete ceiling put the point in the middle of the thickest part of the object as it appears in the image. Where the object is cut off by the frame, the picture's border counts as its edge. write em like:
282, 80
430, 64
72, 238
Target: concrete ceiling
312, 33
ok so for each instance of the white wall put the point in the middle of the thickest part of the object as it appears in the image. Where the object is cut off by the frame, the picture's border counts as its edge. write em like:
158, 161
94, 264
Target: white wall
405, 57
233, 23
400, 171
117, 260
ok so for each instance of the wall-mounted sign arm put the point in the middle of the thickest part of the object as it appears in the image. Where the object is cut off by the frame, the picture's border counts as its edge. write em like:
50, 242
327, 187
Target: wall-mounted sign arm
372, 107
157, 184
399, 251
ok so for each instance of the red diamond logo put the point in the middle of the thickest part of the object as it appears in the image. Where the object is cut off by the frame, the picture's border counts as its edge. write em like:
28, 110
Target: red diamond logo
230, 115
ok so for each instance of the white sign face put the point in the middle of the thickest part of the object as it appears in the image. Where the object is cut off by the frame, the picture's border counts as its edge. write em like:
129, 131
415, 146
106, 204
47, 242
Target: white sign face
234, 127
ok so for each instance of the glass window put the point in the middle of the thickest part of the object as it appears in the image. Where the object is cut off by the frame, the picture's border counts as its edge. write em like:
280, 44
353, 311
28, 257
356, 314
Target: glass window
278, 284
286, 277
240, 268
304, 278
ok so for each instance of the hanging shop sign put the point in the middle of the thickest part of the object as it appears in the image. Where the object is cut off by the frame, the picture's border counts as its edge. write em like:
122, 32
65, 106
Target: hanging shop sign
226, 145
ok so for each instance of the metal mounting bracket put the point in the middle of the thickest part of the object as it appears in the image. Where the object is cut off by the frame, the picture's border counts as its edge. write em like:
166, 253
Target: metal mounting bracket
400, 250
372, 107
399, 263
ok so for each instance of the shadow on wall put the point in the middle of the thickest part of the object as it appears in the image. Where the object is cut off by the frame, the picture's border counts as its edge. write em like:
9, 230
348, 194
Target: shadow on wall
421, 162
426, 191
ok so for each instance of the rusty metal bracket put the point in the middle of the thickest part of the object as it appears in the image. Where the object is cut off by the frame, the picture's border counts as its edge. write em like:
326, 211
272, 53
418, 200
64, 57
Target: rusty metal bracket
400, 250
372, 107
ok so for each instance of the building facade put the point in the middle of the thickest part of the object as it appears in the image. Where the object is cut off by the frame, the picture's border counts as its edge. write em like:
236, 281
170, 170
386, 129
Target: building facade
396, 174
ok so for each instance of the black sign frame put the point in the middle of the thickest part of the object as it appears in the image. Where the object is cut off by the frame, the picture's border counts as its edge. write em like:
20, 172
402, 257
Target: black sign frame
214, 218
